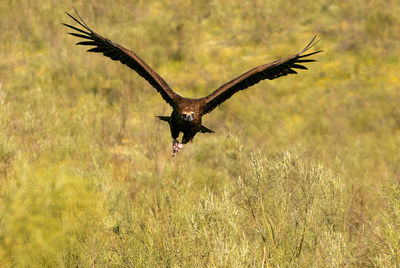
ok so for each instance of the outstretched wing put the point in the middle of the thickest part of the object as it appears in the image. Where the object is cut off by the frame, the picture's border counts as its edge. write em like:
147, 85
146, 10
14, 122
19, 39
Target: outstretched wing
123, 55
269, 71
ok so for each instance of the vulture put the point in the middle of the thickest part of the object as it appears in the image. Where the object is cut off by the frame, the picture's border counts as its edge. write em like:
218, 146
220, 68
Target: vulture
187, 112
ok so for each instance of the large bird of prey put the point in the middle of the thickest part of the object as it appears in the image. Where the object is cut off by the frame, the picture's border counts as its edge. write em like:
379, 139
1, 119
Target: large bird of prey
186, 112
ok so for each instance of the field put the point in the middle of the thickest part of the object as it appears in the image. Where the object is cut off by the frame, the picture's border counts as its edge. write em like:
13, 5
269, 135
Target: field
303, 171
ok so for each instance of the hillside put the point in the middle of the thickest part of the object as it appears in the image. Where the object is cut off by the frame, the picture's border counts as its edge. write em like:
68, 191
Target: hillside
302, 171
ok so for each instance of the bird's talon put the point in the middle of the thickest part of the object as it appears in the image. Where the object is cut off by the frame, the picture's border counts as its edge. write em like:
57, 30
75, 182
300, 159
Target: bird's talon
176, 147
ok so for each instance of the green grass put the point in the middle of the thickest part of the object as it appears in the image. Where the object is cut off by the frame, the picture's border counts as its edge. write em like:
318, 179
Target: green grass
302, 171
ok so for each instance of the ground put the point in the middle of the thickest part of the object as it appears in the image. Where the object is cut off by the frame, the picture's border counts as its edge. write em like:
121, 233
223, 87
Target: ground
302, 171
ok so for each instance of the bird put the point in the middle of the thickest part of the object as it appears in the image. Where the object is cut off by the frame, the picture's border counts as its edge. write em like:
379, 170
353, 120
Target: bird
187, 113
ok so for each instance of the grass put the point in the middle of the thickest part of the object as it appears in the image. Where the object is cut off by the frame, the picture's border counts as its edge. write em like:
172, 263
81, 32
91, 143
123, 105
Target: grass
302, 171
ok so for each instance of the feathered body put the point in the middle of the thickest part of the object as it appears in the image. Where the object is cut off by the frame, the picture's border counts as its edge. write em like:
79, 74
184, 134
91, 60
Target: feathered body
186, 118
186, 112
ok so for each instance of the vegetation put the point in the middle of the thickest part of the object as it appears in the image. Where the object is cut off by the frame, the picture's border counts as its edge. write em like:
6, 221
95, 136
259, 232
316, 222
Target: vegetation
302, 171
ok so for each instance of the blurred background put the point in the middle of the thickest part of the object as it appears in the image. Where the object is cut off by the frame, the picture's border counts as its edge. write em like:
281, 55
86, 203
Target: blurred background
303, 170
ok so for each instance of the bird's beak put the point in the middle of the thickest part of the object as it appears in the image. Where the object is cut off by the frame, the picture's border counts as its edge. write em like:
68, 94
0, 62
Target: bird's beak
189, 118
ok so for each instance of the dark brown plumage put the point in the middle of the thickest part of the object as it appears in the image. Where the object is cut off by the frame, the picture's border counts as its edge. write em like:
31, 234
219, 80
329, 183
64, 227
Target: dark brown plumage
187, 113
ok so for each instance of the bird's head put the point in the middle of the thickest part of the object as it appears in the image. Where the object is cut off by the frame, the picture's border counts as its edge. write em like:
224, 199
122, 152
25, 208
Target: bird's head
187, 116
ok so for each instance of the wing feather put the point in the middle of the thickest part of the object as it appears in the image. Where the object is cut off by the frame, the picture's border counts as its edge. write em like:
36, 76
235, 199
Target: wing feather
125, 56
269, 71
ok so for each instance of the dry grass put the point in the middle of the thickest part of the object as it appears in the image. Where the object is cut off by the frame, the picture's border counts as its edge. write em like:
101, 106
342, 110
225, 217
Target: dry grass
302, 171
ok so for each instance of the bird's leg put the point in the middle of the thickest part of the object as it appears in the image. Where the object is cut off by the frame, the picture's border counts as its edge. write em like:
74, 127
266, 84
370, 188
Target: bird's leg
176, 147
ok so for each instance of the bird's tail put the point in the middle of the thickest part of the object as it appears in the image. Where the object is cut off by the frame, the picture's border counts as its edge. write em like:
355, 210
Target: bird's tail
203, 129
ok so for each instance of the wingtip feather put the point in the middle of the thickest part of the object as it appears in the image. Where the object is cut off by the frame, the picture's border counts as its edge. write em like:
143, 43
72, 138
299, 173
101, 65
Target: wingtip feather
81, 23
75, 28
310, 44
309, 54
76, 12
298, 66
